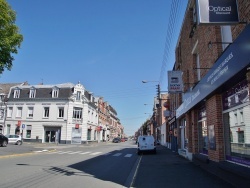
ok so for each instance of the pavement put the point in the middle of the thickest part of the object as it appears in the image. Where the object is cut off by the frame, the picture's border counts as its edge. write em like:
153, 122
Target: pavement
169, 169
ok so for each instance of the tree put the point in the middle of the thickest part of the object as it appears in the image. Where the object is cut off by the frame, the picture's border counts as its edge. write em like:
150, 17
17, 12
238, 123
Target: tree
10, 38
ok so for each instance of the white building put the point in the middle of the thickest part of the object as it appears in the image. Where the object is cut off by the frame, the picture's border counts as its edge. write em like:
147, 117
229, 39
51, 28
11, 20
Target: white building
51, 113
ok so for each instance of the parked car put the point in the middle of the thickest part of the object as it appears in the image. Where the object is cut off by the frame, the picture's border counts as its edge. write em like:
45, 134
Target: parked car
146, 144
15, 139
116, 140
3, 140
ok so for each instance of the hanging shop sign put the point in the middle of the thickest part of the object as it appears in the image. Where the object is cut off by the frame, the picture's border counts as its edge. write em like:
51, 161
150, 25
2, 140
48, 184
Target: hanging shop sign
233, 60
175, 84
223, 12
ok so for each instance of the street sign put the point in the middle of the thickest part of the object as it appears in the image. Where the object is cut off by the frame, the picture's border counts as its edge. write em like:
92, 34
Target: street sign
23, 126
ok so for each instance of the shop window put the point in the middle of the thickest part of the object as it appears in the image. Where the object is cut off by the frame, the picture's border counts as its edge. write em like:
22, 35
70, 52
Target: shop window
241, 137
89, 134
203, 137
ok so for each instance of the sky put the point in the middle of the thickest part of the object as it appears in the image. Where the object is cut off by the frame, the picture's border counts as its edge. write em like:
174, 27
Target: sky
109, 46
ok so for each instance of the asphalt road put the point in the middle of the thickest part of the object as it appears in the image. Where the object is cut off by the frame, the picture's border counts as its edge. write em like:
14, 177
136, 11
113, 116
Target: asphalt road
98, 165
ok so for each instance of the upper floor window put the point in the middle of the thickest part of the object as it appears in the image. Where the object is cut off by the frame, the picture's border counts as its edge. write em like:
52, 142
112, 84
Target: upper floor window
78, 95
55, 93
61, 112
30, 112
77, 113
16, 93
46, 112
19, 112
32, 93
9, 111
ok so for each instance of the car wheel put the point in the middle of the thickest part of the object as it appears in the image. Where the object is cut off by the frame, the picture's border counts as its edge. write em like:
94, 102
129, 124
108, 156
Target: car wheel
4, 144
19, 143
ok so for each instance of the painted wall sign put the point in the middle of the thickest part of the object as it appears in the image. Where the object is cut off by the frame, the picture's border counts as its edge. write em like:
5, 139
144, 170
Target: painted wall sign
235, 58
217, 12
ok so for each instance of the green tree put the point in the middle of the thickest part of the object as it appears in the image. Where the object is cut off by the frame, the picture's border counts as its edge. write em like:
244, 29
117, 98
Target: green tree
10, 38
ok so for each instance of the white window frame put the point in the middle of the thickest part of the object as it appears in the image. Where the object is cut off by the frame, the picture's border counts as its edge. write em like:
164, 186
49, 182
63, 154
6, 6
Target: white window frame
78, 95
77, 113
30, 112
55, 93
16, 93
61, 112
46, 112
9, 111
19, 112
32, 93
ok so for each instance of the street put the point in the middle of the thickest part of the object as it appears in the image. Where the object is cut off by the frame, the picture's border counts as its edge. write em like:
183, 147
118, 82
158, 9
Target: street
97, 165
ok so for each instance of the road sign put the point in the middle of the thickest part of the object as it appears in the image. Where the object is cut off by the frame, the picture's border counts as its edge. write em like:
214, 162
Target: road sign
23, 126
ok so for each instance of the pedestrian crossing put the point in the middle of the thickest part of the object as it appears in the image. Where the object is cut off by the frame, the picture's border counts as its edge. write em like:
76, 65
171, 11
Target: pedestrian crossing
91, 153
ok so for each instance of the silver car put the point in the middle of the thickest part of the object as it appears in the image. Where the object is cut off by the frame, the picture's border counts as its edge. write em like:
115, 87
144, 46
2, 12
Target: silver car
15, 139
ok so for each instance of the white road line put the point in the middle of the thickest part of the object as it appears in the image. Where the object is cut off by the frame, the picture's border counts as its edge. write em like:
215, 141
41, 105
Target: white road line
96, 153
75, 152
128, 155
117, 154
65, 152
84, 153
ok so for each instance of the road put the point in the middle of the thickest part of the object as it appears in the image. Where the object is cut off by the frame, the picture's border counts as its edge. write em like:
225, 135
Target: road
97, 165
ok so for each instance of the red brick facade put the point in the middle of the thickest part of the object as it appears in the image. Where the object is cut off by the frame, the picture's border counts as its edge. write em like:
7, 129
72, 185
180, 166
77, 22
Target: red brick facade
190, 46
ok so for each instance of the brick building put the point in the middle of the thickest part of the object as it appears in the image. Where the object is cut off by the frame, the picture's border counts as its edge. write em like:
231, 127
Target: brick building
213, 112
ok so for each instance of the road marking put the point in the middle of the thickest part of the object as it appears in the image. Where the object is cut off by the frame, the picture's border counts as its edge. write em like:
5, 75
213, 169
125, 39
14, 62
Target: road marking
117, 154
64, 152
96, 153
84, 153
128, 155
106, 154
75, 152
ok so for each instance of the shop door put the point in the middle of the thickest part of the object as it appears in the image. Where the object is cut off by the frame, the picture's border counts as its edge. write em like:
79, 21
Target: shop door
50, 136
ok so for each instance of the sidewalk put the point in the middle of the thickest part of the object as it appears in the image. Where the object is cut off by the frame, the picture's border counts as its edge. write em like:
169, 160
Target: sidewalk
168, 169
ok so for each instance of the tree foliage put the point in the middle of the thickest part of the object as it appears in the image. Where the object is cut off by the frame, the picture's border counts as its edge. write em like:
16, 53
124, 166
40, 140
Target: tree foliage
10, 38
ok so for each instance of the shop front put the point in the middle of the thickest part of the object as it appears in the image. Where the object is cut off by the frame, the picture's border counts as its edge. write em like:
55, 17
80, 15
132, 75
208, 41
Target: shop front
215, 114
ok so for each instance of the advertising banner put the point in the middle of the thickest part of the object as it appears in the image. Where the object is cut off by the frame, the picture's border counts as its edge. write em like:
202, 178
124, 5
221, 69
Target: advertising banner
217, 12
175, 84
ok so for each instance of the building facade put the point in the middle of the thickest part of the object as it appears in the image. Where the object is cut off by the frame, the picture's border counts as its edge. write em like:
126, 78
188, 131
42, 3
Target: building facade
59, 113
211, 117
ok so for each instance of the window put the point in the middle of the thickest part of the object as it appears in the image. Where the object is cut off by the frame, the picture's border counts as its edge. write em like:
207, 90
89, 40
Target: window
61, 112
198, 66
46, 112
9, 111
16, 93
78, 95
32, 93
19, 112
30, 112
28, 131
55, 93
241, 137
77, 113
89, 134
241, 116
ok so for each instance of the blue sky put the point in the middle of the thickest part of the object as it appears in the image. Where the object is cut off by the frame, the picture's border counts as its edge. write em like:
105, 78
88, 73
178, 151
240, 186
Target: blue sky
110, 46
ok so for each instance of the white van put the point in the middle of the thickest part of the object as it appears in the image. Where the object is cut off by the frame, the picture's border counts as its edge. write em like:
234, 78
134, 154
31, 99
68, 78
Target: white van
146, 143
